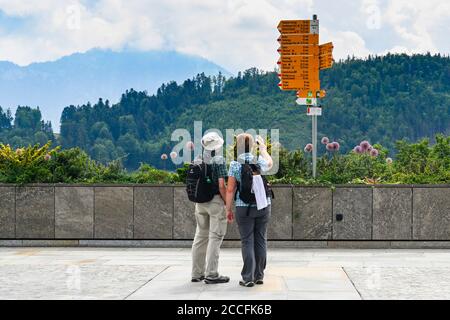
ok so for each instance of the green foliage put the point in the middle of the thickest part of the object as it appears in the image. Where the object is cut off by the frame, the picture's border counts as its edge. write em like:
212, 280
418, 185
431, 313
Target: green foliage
25, 165
380, 99
420, 163
26, 129
44, 165
417, 163
148, 174
182, 173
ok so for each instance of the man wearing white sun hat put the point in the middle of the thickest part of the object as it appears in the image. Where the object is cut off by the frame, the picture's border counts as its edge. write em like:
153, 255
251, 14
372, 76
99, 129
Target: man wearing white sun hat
211, 218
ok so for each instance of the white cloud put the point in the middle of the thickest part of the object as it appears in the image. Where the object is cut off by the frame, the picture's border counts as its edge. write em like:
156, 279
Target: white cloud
346, 43
236, 34
417, 23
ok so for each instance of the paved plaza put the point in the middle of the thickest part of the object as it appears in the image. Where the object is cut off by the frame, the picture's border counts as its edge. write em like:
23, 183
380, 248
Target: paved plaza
147, 273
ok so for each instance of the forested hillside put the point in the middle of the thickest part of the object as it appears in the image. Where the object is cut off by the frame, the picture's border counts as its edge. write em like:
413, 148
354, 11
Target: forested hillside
26, 128
381, 99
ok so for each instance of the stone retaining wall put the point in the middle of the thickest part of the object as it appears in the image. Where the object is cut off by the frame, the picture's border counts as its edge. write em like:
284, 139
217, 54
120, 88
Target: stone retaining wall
162, 212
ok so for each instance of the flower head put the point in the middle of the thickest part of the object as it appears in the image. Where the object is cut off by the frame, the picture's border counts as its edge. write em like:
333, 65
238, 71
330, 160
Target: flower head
365, 145
389, 160
173, 155
330, 147
164, 156
47, 157
325, 140
358, 150
190, 145
374, 152
19, 151
336, 146
308, 147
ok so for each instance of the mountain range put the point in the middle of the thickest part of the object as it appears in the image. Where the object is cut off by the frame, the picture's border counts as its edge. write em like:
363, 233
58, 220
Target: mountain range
83, 77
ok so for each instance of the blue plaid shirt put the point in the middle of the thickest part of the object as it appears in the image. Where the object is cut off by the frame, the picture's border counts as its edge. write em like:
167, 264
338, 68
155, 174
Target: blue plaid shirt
235, 171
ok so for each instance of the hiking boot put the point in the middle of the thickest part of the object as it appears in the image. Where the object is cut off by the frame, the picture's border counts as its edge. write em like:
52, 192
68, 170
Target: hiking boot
219, 279
247, 284
260, 281
199, 279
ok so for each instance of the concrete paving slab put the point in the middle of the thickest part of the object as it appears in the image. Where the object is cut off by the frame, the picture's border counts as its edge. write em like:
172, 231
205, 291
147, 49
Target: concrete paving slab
152, 273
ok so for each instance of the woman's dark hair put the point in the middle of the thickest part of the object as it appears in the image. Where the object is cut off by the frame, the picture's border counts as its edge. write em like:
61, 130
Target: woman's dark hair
247, 144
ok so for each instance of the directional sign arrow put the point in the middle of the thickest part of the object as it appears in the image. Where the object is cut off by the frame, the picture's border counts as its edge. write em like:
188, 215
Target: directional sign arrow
299, 62
326, 48
298, 26
300, 84
299, 39
294, 26
299, 50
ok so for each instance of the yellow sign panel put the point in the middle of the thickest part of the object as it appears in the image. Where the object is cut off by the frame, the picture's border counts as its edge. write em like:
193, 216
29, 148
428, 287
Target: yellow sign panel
298, 39
300, 76
326, 66
299, 62
300, 84
326, 48
299, 50
302, 57
325, 61
297, 76
296, 85
312, 73
294, 26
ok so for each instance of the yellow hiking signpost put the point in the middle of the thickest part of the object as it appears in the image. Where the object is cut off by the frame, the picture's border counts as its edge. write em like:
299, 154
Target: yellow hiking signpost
301, 59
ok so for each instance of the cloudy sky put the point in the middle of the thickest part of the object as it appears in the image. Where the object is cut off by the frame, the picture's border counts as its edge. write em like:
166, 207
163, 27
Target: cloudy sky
237, 34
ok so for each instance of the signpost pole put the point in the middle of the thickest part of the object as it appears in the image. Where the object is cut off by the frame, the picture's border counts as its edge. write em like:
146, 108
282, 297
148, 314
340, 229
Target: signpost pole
314, 143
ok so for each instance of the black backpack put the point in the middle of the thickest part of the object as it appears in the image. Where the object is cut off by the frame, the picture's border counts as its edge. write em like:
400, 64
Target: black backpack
200, 186
245, 186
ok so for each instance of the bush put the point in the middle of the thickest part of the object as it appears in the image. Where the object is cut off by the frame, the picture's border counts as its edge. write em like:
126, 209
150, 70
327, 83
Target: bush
415, 163
148, 174
26, 165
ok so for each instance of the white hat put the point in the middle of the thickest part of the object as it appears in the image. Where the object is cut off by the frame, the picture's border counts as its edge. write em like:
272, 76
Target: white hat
212, 141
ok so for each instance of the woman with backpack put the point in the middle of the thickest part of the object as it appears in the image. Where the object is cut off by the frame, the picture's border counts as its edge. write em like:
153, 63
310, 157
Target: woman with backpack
249, 189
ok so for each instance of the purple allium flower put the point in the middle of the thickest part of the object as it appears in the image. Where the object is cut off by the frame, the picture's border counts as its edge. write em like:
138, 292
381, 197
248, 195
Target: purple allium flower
358, 149
325, 140
389, 160
47, 157
173, 155
164, 156
336, 146
365, 145
374, 153
330, 147
308, 147
190, 145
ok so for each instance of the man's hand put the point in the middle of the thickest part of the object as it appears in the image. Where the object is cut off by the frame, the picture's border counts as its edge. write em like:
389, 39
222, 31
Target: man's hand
230, 216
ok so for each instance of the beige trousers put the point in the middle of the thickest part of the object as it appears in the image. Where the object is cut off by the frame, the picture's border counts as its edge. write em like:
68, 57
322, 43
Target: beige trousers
211, 228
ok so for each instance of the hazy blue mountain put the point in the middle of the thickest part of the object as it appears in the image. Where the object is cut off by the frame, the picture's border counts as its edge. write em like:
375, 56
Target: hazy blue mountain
88, 76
